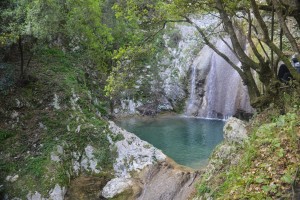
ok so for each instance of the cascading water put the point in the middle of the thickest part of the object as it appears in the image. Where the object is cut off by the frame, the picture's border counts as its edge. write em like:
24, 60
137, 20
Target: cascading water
192, 98
224, 93
199, 71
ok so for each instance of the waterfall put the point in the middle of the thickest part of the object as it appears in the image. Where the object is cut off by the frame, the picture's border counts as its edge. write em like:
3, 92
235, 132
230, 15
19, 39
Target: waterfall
199, 70
222, 94
192, 97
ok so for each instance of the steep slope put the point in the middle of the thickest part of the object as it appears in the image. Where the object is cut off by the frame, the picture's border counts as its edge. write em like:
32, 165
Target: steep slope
51, 130
264, 166
56, 142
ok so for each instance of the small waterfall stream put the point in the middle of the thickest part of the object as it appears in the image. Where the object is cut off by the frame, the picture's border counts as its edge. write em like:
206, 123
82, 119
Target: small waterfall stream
223, 92
192, 97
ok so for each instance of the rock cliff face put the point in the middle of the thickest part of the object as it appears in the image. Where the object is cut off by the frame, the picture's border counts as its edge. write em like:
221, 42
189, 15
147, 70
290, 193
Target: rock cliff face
144, 172
194, 79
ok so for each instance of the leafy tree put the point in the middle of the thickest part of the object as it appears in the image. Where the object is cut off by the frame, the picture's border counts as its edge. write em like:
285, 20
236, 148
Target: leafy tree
72, 25
246, 17
13, 29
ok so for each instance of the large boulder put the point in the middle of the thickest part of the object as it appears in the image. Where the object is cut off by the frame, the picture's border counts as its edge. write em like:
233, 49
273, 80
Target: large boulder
235, 131
133, 153
116, 186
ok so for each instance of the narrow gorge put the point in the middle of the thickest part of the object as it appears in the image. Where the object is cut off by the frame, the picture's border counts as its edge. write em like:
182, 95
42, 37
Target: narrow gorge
146, 100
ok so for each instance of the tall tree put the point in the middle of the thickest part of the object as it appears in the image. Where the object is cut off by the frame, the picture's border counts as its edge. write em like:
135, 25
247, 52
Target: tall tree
72, 25
246, 17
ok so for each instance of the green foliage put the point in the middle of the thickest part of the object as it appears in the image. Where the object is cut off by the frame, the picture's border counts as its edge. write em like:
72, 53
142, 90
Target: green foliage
26, 152
131, 71
202, 188
5, 134
88, 33
268, 164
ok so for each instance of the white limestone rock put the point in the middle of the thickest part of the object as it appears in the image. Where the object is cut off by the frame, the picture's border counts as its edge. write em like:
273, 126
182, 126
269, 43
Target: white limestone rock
235, 131
54, 157
35, 196
57, 193
116, 186
133, 153
73, 100
55, 102
12, 178
14, 115
86, 161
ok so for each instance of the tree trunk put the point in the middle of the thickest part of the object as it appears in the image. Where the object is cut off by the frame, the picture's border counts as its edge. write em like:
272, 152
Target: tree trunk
270, 44
286, 31
21, 57
242, 56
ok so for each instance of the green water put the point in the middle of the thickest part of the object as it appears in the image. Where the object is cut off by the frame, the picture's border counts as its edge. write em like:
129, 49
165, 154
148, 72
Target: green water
188, 141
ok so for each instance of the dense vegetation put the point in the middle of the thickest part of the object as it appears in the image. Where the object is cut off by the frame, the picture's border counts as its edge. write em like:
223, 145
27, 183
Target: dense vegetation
118, 37
268, 163
97, 49
42, 127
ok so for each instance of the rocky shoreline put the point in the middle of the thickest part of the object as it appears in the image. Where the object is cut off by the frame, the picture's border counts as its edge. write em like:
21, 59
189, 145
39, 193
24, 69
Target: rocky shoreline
143, 171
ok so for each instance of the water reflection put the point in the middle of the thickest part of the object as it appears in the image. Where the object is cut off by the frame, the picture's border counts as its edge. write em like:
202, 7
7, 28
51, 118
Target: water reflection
189, 141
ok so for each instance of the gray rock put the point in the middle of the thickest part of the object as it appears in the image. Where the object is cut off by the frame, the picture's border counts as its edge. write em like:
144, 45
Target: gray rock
235, 131
35, 196
57, 193
54, 157
12, 178
116, 186
15, 115
42, 126
134, 154
55, 102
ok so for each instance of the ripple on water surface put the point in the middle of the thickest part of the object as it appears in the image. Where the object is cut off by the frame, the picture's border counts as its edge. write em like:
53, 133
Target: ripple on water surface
189, 141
